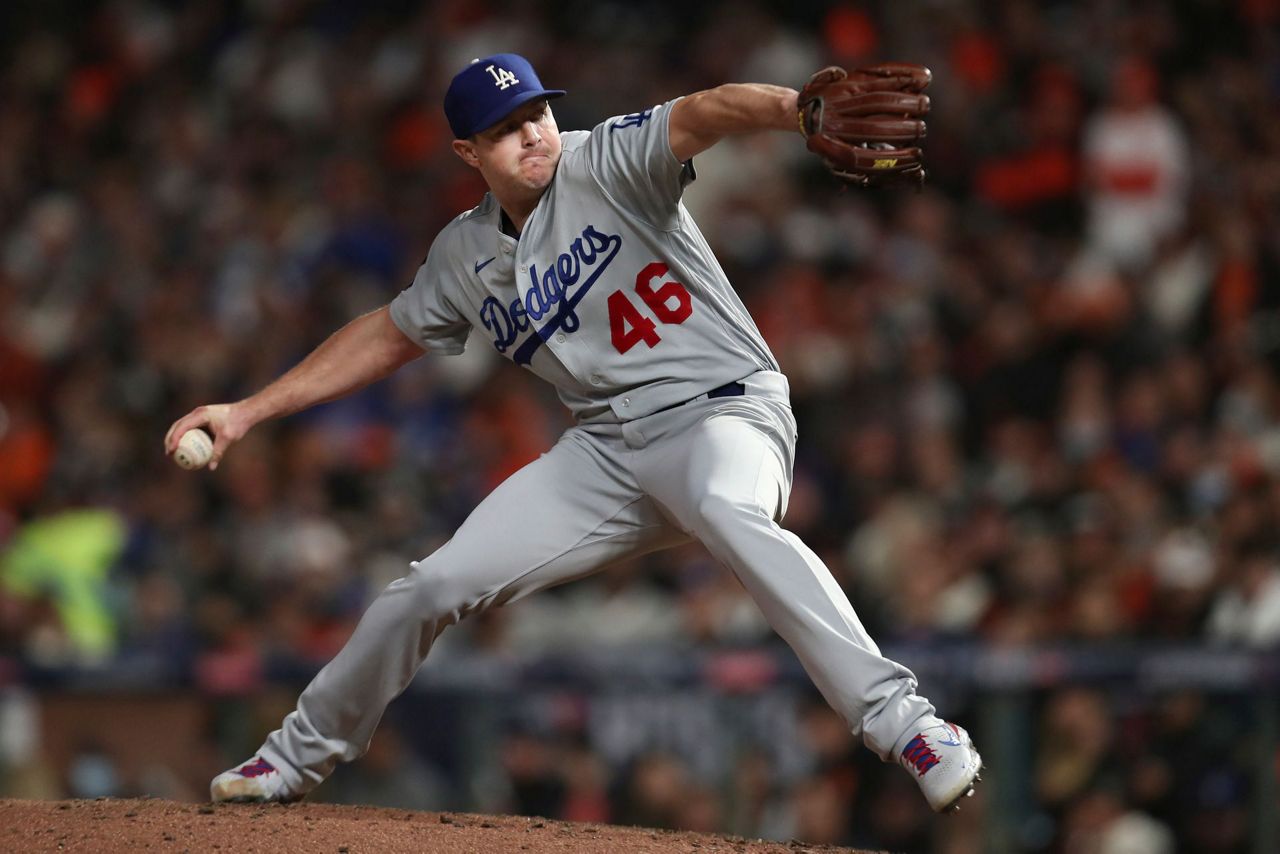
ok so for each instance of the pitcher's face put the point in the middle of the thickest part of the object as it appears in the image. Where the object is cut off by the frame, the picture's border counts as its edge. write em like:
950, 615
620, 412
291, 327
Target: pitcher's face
519, 153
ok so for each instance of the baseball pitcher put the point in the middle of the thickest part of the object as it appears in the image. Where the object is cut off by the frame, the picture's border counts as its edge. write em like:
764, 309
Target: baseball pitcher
582, 265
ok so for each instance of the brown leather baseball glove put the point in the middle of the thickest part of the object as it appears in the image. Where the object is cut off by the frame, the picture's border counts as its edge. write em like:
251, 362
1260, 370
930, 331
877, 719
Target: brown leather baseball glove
864, 123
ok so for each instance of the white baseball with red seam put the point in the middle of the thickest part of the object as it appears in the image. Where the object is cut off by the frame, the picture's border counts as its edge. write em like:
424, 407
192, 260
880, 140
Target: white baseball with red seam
195, 449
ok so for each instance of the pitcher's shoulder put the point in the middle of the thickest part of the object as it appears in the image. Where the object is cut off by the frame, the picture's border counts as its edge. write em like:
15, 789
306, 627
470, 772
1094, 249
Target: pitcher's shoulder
481, 213
572, 141
467, 233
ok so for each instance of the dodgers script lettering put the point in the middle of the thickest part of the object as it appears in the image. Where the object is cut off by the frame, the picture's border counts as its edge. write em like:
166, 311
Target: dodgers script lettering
553, 291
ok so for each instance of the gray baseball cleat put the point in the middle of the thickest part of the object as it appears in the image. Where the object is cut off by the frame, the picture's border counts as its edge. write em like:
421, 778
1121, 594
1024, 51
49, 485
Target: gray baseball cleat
255, 782
942, 758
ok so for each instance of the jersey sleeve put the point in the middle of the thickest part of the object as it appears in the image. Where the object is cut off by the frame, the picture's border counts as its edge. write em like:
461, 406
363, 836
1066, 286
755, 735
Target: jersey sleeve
631, 158
424, 312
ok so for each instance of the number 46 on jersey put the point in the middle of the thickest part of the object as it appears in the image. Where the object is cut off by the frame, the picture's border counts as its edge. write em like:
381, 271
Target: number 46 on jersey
669, 303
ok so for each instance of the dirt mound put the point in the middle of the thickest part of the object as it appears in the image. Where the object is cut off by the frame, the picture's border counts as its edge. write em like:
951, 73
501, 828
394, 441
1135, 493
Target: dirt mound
108, 825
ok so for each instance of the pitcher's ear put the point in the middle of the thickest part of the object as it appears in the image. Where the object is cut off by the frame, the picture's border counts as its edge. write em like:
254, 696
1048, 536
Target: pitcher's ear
466, 149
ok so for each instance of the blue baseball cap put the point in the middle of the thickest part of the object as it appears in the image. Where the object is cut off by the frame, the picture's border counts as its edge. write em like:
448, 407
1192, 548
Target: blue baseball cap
488, 90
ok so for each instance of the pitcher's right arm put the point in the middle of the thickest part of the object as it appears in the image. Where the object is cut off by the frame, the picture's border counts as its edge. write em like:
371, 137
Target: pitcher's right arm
362, 352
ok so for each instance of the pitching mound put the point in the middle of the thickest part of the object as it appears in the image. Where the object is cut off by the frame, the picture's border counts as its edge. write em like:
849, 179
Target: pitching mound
109, 825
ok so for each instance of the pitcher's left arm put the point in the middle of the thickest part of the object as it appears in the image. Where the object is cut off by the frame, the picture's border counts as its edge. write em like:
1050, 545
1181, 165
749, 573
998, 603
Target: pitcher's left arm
700, 120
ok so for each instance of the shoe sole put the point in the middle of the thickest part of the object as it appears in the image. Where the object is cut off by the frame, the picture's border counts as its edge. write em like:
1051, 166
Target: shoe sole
253, 799
232, 792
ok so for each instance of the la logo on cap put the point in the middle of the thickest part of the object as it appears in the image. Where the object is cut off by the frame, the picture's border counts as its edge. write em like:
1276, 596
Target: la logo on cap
502, 78
489, 89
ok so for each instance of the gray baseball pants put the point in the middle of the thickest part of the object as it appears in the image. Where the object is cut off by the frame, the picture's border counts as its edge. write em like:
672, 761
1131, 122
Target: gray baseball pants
718, 470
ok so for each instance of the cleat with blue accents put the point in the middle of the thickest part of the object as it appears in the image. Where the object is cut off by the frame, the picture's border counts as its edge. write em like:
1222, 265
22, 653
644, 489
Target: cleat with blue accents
944, 762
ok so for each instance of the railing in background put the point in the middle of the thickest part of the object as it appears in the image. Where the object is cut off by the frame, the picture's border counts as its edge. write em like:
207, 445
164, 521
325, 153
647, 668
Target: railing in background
706, 705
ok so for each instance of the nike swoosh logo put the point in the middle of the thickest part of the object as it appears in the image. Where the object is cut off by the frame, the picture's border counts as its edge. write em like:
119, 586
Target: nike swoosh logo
480, 265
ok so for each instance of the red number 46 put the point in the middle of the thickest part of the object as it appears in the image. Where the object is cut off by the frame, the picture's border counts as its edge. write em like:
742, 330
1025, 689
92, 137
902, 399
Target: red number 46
670, 303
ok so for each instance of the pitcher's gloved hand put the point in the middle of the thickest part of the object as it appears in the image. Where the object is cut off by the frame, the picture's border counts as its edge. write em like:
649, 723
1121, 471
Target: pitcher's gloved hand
864, 123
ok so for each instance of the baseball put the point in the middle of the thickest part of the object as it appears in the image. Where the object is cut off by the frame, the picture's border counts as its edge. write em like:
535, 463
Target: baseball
195, 449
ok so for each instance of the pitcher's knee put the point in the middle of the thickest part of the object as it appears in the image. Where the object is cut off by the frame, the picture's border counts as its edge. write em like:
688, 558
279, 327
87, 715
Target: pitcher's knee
434, 594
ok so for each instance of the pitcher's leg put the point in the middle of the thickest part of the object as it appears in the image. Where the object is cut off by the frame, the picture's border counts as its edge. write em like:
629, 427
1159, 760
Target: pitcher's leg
724, 479
565, 515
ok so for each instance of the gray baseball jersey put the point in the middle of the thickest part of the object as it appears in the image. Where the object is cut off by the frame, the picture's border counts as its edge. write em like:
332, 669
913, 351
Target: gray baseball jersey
611, 293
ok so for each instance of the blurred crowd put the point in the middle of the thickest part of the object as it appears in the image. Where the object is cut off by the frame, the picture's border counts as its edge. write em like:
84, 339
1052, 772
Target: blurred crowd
1036, 400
